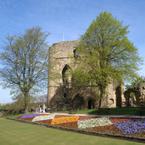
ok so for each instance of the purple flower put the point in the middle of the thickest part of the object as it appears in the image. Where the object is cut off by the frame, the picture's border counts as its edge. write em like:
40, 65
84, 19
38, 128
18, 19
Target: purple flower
29, 116
131, 126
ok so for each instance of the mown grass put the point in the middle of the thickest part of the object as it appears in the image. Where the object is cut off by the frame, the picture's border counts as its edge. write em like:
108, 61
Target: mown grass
16, 133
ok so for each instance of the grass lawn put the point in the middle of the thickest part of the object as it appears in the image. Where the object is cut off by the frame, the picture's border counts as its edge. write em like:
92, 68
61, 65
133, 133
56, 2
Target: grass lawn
16, 133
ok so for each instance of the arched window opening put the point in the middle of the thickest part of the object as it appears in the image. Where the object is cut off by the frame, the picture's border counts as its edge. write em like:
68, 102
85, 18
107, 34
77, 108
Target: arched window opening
118, 96
76, 53
91, 103
67, 76
78, 102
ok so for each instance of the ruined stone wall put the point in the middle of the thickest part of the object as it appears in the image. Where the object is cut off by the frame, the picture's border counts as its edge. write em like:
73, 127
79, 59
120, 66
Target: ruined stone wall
60, 55
141, 89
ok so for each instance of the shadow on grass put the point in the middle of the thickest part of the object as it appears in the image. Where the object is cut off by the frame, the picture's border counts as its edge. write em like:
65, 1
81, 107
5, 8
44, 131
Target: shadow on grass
138, 111
128, 111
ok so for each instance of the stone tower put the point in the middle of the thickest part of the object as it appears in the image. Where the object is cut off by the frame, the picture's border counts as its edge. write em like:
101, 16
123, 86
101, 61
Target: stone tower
61, 63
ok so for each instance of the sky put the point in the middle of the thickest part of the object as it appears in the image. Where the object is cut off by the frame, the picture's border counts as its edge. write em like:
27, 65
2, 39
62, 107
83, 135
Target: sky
68, 20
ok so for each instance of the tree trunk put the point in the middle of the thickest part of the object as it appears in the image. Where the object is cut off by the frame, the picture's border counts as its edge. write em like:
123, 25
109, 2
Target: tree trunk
102, 92
100, 102
26, 102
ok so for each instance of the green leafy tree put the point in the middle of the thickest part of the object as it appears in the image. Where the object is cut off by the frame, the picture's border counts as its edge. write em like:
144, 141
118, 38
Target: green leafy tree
24, 63
106, 54
135, 82
133, 90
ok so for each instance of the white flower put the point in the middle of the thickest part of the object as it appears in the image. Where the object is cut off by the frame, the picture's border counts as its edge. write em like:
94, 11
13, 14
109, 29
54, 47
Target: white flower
43, 117
89, 123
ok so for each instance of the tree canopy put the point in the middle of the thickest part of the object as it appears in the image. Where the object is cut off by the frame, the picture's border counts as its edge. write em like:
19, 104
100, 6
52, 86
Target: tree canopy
106, 53
24, 62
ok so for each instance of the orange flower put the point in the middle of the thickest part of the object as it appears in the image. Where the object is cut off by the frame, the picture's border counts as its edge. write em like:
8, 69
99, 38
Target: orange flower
64, 120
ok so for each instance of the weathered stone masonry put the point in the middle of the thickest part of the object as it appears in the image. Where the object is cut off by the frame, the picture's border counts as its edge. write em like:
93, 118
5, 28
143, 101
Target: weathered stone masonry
61, 63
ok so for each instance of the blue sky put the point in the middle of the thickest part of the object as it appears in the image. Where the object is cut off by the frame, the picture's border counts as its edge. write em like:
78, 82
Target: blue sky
68, 17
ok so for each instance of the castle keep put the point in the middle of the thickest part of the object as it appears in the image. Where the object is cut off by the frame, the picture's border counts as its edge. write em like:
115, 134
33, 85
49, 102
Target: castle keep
61, 64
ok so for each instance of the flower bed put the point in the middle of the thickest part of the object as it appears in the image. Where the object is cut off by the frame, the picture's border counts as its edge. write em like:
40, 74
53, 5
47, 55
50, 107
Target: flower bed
62, 120
72, 125
117, 120
129, 127
110, 129
94, 123
27, 116
48, 122
85, 117
43, 117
